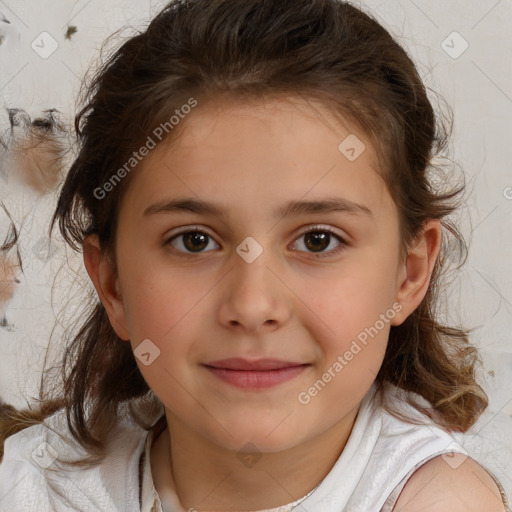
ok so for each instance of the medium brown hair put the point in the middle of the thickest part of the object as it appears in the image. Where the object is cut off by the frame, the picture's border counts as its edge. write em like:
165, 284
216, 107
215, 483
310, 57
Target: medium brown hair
326, 50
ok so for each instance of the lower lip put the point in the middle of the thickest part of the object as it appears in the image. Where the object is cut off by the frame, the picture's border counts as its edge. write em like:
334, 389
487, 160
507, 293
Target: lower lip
255, 379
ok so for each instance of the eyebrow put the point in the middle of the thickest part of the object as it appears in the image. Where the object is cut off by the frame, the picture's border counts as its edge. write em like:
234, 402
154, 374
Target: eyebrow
330, 204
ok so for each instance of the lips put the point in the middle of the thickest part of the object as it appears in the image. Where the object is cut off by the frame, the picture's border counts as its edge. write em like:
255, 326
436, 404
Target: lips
258, 365
255, 375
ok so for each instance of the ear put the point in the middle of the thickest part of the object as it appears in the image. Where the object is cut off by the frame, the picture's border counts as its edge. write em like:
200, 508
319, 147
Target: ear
103, 275
415, 273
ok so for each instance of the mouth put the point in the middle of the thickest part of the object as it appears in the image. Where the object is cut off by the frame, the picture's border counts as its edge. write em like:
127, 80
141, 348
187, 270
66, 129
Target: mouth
263, 373
237, 363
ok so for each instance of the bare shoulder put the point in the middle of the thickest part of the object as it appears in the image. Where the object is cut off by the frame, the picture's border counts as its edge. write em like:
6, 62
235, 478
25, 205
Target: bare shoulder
450, 483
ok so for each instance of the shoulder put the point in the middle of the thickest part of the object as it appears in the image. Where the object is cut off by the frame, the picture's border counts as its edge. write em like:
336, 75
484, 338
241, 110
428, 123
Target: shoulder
450, 483
21, 480
34, 476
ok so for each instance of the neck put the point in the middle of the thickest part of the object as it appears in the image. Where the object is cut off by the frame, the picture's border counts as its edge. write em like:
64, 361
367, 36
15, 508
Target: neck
206, 476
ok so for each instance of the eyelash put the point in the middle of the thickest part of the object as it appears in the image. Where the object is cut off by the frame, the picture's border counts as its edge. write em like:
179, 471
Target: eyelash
313, 229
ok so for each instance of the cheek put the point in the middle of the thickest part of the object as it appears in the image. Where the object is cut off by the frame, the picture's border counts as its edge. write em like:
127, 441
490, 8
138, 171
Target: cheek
354, 301
351, 317
157, 301
160, 322
158, 310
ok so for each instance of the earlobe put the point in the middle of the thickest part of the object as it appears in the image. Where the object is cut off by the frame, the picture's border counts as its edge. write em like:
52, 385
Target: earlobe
414, 277
103, 276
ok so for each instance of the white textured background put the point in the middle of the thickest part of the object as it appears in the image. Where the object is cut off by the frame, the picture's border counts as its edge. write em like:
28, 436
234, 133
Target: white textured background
477, 84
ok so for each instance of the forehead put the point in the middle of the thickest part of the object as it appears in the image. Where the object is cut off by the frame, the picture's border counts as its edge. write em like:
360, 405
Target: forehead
283, 124
262, 152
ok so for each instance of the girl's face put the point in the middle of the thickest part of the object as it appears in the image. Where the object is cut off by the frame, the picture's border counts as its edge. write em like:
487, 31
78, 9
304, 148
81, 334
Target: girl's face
251, 283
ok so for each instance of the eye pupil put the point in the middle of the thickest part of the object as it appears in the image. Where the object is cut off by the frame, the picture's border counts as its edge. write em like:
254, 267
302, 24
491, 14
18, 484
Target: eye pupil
318, 239
195, 237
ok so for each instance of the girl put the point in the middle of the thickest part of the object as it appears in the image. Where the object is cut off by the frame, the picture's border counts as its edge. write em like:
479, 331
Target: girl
253, 201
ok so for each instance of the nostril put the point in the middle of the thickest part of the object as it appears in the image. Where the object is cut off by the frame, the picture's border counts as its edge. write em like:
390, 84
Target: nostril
16, 280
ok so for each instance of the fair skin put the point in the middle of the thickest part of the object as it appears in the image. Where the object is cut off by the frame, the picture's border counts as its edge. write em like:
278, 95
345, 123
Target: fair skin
200, 306
438, 487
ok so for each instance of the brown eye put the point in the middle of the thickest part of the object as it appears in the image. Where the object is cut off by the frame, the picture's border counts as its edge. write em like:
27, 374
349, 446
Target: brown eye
317, 240
190, 241
195, 241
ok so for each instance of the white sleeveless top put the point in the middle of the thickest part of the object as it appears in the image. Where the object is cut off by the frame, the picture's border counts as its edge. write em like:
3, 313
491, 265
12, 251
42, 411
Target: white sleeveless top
381, 454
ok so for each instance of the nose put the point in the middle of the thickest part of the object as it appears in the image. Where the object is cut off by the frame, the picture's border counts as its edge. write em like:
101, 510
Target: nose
253, 296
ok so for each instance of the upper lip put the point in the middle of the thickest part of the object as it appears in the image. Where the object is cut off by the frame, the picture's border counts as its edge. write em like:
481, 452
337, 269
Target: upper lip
238, 363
